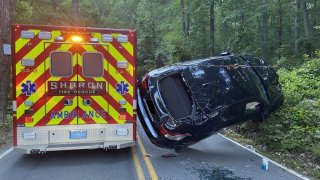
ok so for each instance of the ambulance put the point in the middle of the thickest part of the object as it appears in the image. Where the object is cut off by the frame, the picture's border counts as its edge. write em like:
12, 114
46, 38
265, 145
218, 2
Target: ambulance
73, 88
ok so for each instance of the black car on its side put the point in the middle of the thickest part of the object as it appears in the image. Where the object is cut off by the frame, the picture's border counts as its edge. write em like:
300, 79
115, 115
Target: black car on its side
181, 104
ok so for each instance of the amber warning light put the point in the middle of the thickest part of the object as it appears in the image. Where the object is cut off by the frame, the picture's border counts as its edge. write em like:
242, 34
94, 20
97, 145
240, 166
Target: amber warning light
76, 38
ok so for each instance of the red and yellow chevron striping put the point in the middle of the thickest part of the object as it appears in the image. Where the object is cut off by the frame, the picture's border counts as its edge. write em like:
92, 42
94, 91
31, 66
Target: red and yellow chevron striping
33, 72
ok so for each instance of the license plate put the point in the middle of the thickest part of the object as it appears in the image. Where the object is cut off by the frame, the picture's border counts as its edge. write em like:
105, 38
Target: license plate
78, 134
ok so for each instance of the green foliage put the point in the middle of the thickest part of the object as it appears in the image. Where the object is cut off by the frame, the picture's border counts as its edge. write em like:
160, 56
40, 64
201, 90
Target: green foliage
238, 26
296, 125
316, 151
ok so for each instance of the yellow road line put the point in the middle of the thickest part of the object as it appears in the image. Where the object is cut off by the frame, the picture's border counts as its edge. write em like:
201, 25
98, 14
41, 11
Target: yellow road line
151, 170
137, 163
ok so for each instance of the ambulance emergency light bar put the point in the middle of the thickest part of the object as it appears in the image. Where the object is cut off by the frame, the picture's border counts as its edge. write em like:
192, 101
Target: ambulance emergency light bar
45, 35
76, 38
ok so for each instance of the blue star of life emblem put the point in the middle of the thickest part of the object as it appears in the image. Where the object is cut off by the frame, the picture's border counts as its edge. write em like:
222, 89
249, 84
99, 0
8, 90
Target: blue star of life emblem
28, 88
122, 88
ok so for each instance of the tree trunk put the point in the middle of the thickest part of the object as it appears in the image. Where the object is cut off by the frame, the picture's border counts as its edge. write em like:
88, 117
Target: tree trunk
7, 8
212, 27
265, 34
188, 18
261, 38
204, 39
305, 18
183, 17
297, 28
308, 44
75, 12
280, 28
54, 5
314, 16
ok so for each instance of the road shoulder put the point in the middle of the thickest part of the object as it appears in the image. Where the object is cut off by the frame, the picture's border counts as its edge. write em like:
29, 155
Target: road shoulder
253, 150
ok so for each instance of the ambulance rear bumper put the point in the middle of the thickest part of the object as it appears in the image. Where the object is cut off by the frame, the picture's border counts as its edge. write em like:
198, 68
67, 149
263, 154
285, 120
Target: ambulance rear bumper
58, 138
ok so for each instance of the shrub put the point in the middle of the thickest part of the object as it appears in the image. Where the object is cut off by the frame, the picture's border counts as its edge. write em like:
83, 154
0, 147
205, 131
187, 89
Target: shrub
295, 126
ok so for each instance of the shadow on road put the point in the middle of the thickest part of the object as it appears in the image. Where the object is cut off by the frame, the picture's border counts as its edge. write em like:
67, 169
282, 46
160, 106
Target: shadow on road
75, 158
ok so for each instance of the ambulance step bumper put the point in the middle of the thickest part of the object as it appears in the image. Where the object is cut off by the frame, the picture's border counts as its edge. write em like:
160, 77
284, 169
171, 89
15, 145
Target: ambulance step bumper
73, 146
40, 149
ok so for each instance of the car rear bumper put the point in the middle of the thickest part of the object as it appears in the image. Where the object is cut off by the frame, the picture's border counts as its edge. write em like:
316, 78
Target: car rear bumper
57, 138
144, 113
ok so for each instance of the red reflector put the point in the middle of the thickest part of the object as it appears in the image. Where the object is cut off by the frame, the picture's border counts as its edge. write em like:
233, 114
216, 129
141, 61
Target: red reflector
28, 120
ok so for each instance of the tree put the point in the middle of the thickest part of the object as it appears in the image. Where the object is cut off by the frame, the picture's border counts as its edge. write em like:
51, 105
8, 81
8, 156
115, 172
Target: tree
75, 12
212, 27
280, 28
305, 18
265, 32
188, 18
6, 7
177, 30
314, 23
297, 28
183, 21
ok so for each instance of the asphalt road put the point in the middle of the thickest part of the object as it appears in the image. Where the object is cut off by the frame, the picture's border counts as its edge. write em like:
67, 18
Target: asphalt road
213, 158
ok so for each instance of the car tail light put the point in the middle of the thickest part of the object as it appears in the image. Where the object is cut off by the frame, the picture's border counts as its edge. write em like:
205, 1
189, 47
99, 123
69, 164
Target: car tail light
173, 136
144, 83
